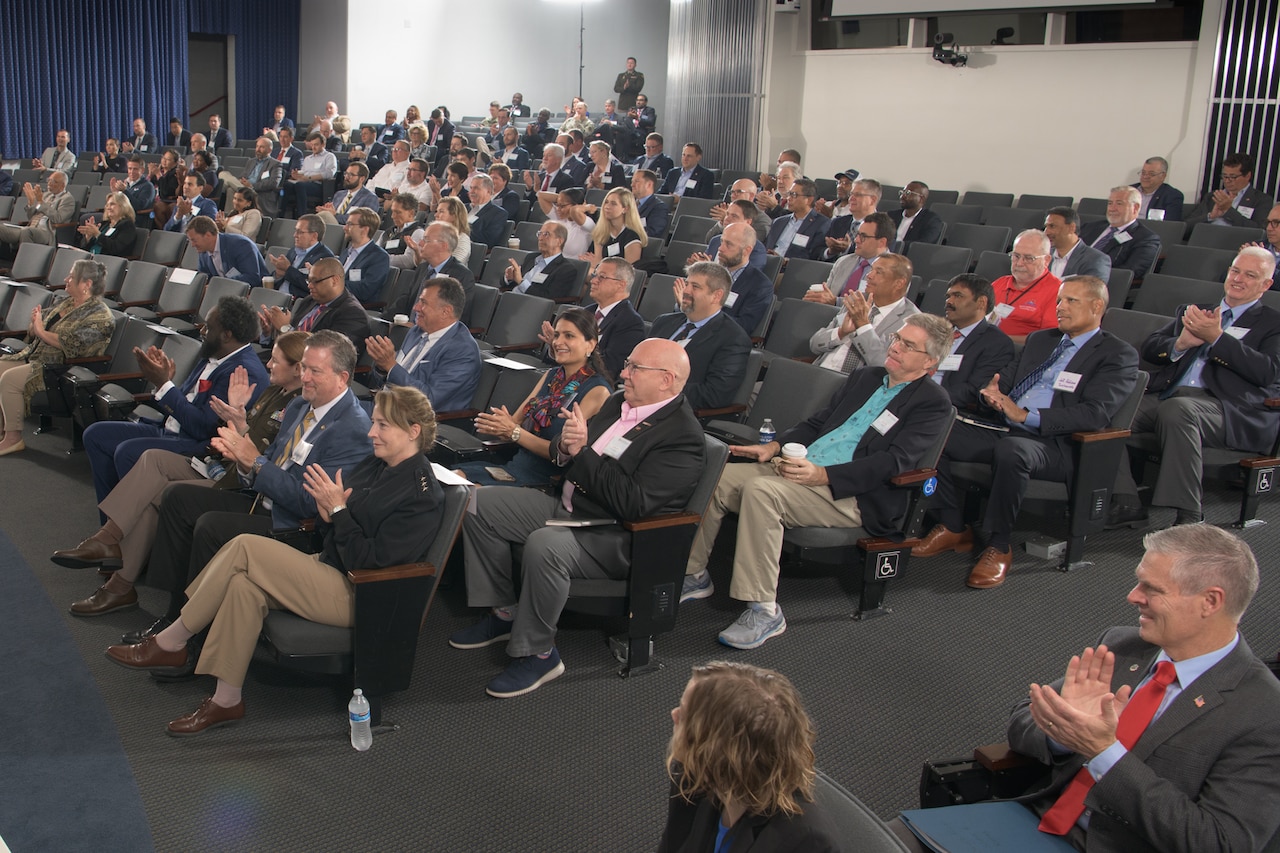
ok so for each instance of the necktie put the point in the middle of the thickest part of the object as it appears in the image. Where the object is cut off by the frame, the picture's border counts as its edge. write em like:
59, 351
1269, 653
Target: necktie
1134, 720
684, 332
410, 360
1194, 360
956, 336
298, 432
546, 181
599, 316
855, 278
346, 202
1106, 235
1028, 382
313, 316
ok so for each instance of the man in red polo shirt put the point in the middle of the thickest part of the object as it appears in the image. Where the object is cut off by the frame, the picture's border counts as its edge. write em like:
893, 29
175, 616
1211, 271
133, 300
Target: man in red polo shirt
1027, 300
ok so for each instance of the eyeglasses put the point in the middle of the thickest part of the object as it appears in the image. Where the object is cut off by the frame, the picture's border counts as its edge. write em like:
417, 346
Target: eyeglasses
908, 194
1229, 177
318, 280
1026, 259
904, 344
860, 236
1273, 223
546, 234
1145, 174
603, 277
631, 365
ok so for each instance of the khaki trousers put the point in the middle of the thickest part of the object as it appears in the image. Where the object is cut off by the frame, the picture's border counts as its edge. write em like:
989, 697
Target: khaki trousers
134, 504
13, 378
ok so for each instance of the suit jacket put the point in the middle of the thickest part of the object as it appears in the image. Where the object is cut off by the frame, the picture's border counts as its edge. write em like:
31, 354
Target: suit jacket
409, 295
267, 185
620, 331
1086, 260
706, 182
579, 168
182, 140
364, 197
562, 181
292, 161
200, 206
757, 259
656, 473
1108, 368
440, 136
867, 346
449, 373
1165, 198
656, 216
376, 155
64, 162
522, 111
521, 158
922, 410
1199, 778
645, 121
561, 278
661, 165
196, 417
840, 272
717, 358
241, 260
926, 227
368, 273
54, 209
693, 828
509, 200
119, 242
1242, 373
221, 139
813, 233
1253, 197
389, 134
1139, 253
141, 195
985, 352
344, 314
295, 279
489, 224
145, 145
752, 298
339, 440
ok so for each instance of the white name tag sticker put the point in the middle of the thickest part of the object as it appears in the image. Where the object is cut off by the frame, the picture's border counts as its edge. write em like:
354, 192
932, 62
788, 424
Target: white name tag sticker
1155, 213
617, 447
354, 273
691, 184
800, 240
1121, 237
614, 249
109, 231
172, 426
232, 273
608, 179
301, 451
538, 278
730, 299
392, 244
200, 466
1237, 332
1003, 310
472, 218
951, 362
885, 422
1066, 381
1246, 212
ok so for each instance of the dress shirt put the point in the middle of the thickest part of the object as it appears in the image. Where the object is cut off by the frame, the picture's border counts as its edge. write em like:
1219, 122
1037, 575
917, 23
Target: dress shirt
835, 359
171, 424
1058, 263
1040, 395
960, 336
685, 175
839, 445
788, 234
905, 225
538, 266
411, 356
391, 176
1191, 378
323, 164
1235, 203
696, 326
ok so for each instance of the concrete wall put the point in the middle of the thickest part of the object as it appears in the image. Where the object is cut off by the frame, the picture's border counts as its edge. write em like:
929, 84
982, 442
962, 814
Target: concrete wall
322, 59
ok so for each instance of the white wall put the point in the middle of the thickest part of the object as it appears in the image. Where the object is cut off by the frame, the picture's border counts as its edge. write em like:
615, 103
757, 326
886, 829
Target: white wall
500, 47
322, 59
1070, 119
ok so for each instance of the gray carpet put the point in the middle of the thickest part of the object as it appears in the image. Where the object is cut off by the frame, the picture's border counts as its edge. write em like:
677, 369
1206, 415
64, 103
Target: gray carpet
577, 766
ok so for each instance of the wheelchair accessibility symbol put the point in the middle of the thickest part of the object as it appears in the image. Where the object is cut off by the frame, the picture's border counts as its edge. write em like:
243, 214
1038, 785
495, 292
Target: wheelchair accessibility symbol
930, 486
1264, 479
887, 565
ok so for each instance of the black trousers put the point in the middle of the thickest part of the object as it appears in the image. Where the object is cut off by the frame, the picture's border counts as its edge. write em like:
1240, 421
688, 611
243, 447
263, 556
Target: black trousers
194, 523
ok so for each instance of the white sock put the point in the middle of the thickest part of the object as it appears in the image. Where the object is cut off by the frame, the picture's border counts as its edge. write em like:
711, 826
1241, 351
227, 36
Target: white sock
226, 696
769, 607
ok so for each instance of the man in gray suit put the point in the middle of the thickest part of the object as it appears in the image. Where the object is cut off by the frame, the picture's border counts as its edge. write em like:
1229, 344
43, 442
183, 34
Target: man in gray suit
47, 211
859, 335
1070, 255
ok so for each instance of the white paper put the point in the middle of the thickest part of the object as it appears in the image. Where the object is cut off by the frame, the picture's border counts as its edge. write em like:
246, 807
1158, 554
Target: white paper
1003, 310
1237, 332
447, 477
885, 422
1155, 213
509, 364
182, 276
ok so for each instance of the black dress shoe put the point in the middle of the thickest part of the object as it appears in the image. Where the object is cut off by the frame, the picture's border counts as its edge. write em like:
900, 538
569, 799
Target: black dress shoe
1126, 515
132, 638
1186, 516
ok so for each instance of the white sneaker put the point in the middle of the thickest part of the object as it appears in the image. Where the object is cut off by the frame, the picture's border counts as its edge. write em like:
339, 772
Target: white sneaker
753, 627
696, 586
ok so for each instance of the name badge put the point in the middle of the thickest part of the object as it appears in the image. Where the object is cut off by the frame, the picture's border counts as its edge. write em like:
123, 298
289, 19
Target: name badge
800, 240
951, 362
301, 451
733, 297
694, 184
109, 231
1237, 332
1003, 310
392, 244
1066, 381
172, 426
1121, 237
473, 217
608, 179
1156, 214
613, 249
232, 273
885, 422
354, 273
200, 466
539, 278
1246, 212
617, 447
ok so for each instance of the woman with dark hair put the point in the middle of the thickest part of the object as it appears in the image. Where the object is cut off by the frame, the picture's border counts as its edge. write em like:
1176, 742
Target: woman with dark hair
246, 219
578, 379
741, 766
383, 513
117, 232
110, 160
454, 175
202, 162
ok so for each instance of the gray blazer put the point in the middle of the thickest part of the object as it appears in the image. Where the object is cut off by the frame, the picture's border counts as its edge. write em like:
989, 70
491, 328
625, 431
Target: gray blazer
1086, 260
868, 346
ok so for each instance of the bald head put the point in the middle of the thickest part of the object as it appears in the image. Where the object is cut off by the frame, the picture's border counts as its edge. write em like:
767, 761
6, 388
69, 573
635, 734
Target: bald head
657, 371
736, 243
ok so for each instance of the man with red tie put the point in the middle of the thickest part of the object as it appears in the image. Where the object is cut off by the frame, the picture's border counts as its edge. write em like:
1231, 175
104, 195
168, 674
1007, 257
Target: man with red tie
871, 240
1165, 737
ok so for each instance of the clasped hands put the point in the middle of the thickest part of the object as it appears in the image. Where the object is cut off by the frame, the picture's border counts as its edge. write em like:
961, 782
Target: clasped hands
1198, 327
1084, 715
156, 367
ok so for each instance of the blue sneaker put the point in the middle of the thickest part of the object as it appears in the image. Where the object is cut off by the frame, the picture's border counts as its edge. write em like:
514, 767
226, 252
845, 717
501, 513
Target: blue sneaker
489, 630
525, 675
753, 627
696, 586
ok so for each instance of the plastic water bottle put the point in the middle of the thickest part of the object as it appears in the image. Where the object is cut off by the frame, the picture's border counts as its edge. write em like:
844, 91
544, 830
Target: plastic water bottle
358, 711
215, 468
767, 431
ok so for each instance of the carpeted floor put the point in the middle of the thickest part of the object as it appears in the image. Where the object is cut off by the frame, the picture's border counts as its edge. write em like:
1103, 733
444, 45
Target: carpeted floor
576, 766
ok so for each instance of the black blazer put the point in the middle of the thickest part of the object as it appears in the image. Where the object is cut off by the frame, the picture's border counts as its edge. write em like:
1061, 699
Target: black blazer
1138, 254
560, 282
409, 295
754, 296
1241, 373
717, 358
509, 200
295, 279
344, 314
662, 164
706, 182
182, 140
923, 411
392, 516
984, 353
119, 242
693, 828
490, 224
561, 182
1165, 198
926, 227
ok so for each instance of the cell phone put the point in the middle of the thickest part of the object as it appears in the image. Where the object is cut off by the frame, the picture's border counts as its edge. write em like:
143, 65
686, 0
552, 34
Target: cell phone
499, 474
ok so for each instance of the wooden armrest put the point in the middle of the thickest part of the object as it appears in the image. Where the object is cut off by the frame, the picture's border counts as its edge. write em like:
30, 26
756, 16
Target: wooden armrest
457, 415
144, 303
566, 300
477, 331
1272, 402
878, 543
1260, 462
1100, 435
723, 410
185, 313
307, 525
656, 522
805, 359
392, 573
910, 478
518, 347
88, 359
999, 757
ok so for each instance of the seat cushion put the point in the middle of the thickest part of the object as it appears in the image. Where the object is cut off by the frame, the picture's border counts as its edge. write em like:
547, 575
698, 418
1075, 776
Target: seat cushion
824, 537
293, 635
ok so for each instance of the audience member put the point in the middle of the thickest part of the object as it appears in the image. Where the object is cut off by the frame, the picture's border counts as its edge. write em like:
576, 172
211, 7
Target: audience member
1159, 200
245, 218
435, 256
619, 233
191, 205
503, 195
978, 350
538, 134
291, 267
690, 179
640, 122
488, 221
606, 172
742, 190
391, 131
328, 305
116, 234
1027, 298
405, 222
871, 241
308, 179
802, 233
1239, 202
178, 137
1069, 254
751, 295
367, 264
59, 156
653, 159
628, 85
863, 200
142, 142
915, 222
773, 200
230, 256
110, 159
369, 151
860, 333
450, 210
219, 136
354, 194
45, 211
621, 326
1129, 243
547, 272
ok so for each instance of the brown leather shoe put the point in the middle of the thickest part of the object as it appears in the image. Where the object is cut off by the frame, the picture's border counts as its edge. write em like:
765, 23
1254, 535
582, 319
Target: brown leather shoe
148, 655
209, 715
89, 554
105, 601
941, 539
991, 569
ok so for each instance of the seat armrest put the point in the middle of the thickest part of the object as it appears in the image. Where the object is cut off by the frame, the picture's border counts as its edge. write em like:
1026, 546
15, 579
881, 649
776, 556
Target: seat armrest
518, 347
667, 519
1100, 435
1260, 462
1272, 402
872, 544
392, 573
1000, 757
910, 478
88, 359
457, 414
723, 410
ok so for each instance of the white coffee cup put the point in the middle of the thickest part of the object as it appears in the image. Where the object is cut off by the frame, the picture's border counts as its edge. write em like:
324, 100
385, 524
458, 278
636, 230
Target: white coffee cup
793, 451
401, 319
816, 287
513, 242
269, 282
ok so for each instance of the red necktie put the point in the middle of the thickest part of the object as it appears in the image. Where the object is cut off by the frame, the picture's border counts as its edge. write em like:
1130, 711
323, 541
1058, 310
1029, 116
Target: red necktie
1134, 720
546, 181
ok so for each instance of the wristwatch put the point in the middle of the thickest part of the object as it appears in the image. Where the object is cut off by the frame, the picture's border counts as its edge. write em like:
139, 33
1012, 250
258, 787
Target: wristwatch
515, 434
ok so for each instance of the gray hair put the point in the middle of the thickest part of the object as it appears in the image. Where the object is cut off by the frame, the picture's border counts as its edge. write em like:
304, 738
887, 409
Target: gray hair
939, 330
1204, 556
718, 277
1133, 194
92, 271
792, 169
1039, 236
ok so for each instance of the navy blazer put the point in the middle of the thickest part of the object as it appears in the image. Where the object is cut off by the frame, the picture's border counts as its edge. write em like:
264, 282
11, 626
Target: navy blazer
200, 206
814, 227
706, 182
489, 225
561, 278
449, 373
182, 140
1165, 198
443, 137
292, 161
295, 278
758, 257
409, 295
340, 440
221, 139
376, 156
509, 200
923, 411
145, 145
1241, 372
753, 297
372, 266
196, 417
141, 195
985, 352
656, 216
522, 158
620, 331
661, 165
389, 134
717, 358
364, 197
926, 227
1139, 253
241, 260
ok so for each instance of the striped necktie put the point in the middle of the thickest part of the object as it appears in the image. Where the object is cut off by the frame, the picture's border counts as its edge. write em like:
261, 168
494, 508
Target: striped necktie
1028, 382
303, 425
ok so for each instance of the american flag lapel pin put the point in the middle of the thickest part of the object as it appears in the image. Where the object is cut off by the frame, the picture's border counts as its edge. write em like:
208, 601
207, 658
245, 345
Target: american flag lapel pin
1199, 700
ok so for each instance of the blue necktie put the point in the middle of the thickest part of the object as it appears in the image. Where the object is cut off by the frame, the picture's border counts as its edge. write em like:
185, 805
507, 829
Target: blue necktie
1028, 382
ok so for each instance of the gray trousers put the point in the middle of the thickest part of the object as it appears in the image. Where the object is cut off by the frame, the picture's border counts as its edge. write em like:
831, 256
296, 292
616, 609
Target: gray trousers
1185, 424
506, 515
